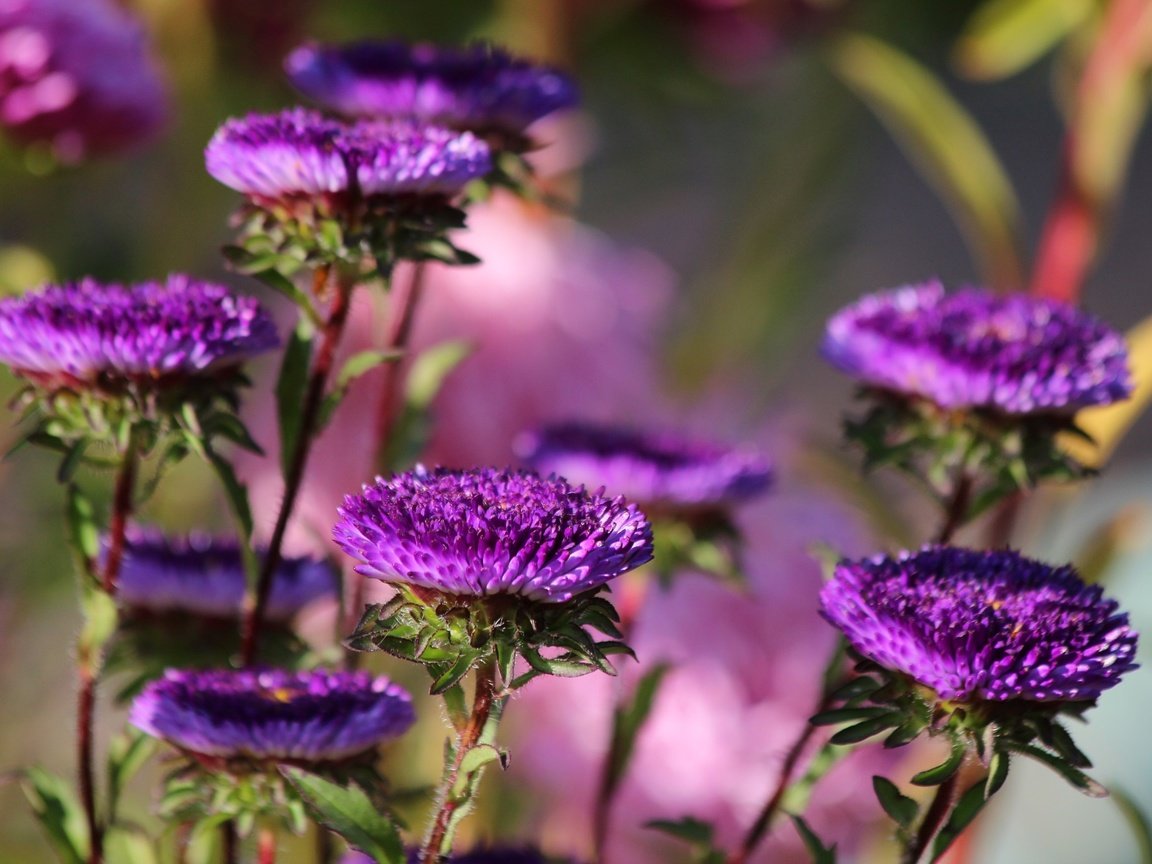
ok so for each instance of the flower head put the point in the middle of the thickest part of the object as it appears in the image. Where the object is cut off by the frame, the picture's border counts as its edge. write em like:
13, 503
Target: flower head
661, 469
488, 531
987, 626
76, 76
1013, 354
477, 87
302, 154
271, 714
89, 334
204, 576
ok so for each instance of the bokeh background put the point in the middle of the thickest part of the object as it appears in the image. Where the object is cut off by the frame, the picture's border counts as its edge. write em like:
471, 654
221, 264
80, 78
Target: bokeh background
725, 190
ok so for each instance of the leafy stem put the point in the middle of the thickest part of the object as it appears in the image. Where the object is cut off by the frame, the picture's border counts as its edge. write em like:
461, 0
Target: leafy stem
310, 413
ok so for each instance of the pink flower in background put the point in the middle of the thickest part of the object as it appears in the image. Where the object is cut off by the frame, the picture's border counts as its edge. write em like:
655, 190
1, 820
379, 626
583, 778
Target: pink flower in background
744, 679
560, 322
75, 75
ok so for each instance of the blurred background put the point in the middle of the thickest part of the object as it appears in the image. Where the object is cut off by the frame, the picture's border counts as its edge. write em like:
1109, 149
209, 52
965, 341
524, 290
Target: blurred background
739, 170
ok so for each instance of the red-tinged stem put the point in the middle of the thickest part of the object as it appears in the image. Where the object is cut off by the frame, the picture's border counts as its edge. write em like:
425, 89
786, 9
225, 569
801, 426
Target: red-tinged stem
85, 757
763, 823
266, 847
329, 340
1071, 234
482, 704
957, 509
230, 841
122, 504
935, 819
402, 313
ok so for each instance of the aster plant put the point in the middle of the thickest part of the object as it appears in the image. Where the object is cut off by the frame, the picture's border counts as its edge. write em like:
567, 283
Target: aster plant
687, 486
491, 567
969, 392
235, 732
477, 87
987, 650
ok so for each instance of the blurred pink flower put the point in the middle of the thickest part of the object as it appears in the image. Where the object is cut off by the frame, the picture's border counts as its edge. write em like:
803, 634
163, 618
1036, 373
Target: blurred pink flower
745, 677
76, 75
560, 322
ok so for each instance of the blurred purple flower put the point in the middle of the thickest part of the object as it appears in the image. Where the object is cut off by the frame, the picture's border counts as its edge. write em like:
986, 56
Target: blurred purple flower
75, 75
744, 678
487, 531
204, 576
273, 715
975, 625
973, 349
302, 154
661, 470
477, 87
91, 334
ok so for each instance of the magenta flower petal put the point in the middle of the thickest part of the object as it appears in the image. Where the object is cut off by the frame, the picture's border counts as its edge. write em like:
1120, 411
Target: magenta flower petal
992, 626
487, 531
271, 714
974, 349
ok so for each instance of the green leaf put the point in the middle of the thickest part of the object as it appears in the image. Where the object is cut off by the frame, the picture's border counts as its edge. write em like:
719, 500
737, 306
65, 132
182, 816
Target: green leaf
350, 813
126, 755
1077, 778
866, 729
835, 716
475, 761
998, 767
126, 844
427, 374
1003, 37
59, 813
72, 461
100, 619
688, 829
290, 387
235, 491
204, 839
938, 774
945, 143
966, 810
820, 853
901, 808
627, 721
356, 366
83, 532
1137, 821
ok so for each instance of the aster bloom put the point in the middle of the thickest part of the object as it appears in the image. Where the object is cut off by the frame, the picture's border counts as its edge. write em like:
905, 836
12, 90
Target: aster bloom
477, 87
662, 470
204, 576
77, 77
1011, 354
982, 626
90, 335
273, 715
300, 154
486, 532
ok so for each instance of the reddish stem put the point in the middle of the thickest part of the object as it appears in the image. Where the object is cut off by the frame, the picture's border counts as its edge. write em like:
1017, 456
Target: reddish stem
266, 847
314, 394
403, 313
1071, 234
482, 704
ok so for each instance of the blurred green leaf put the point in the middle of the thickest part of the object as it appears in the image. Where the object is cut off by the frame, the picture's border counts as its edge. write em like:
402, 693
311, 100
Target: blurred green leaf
940, 137
59, 812
353, 368
628, 719
290, 387
130, 845
350, 813
820, 853
126, 755
1005, 36
1137, 820
429, 370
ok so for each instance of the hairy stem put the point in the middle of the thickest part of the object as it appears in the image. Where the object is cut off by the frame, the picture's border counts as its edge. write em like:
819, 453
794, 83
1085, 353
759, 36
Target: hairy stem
957, 510
486, 707
314, 393
935, 819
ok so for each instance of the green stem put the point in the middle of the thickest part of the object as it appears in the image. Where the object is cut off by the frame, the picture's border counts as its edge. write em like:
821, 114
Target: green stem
314, 393
487, 708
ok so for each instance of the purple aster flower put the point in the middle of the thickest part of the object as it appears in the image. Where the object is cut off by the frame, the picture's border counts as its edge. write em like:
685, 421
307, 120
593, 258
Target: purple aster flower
300, 154
661, 470
475, 87
1014, 354
487, 531
271, 714
76, 76
991, 626
91, 334
204, 576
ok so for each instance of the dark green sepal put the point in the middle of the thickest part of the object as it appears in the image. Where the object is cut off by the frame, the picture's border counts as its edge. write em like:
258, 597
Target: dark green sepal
947, 769
902, 809
866, 729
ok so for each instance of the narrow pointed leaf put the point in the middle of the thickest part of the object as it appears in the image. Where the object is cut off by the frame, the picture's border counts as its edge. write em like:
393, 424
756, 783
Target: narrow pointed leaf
820, 853
1006, 36
350, 813
901, 808
1077, 778
937, 775
59, 813
866, 729
290, 387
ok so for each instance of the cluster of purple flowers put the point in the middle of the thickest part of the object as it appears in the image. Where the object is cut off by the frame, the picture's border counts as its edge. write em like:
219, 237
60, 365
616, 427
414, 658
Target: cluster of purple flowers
76, 77
481, 532
300, 154
982, 626
661, 470
204, 576
92, 335
477, 87
273, 715
1014, 353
